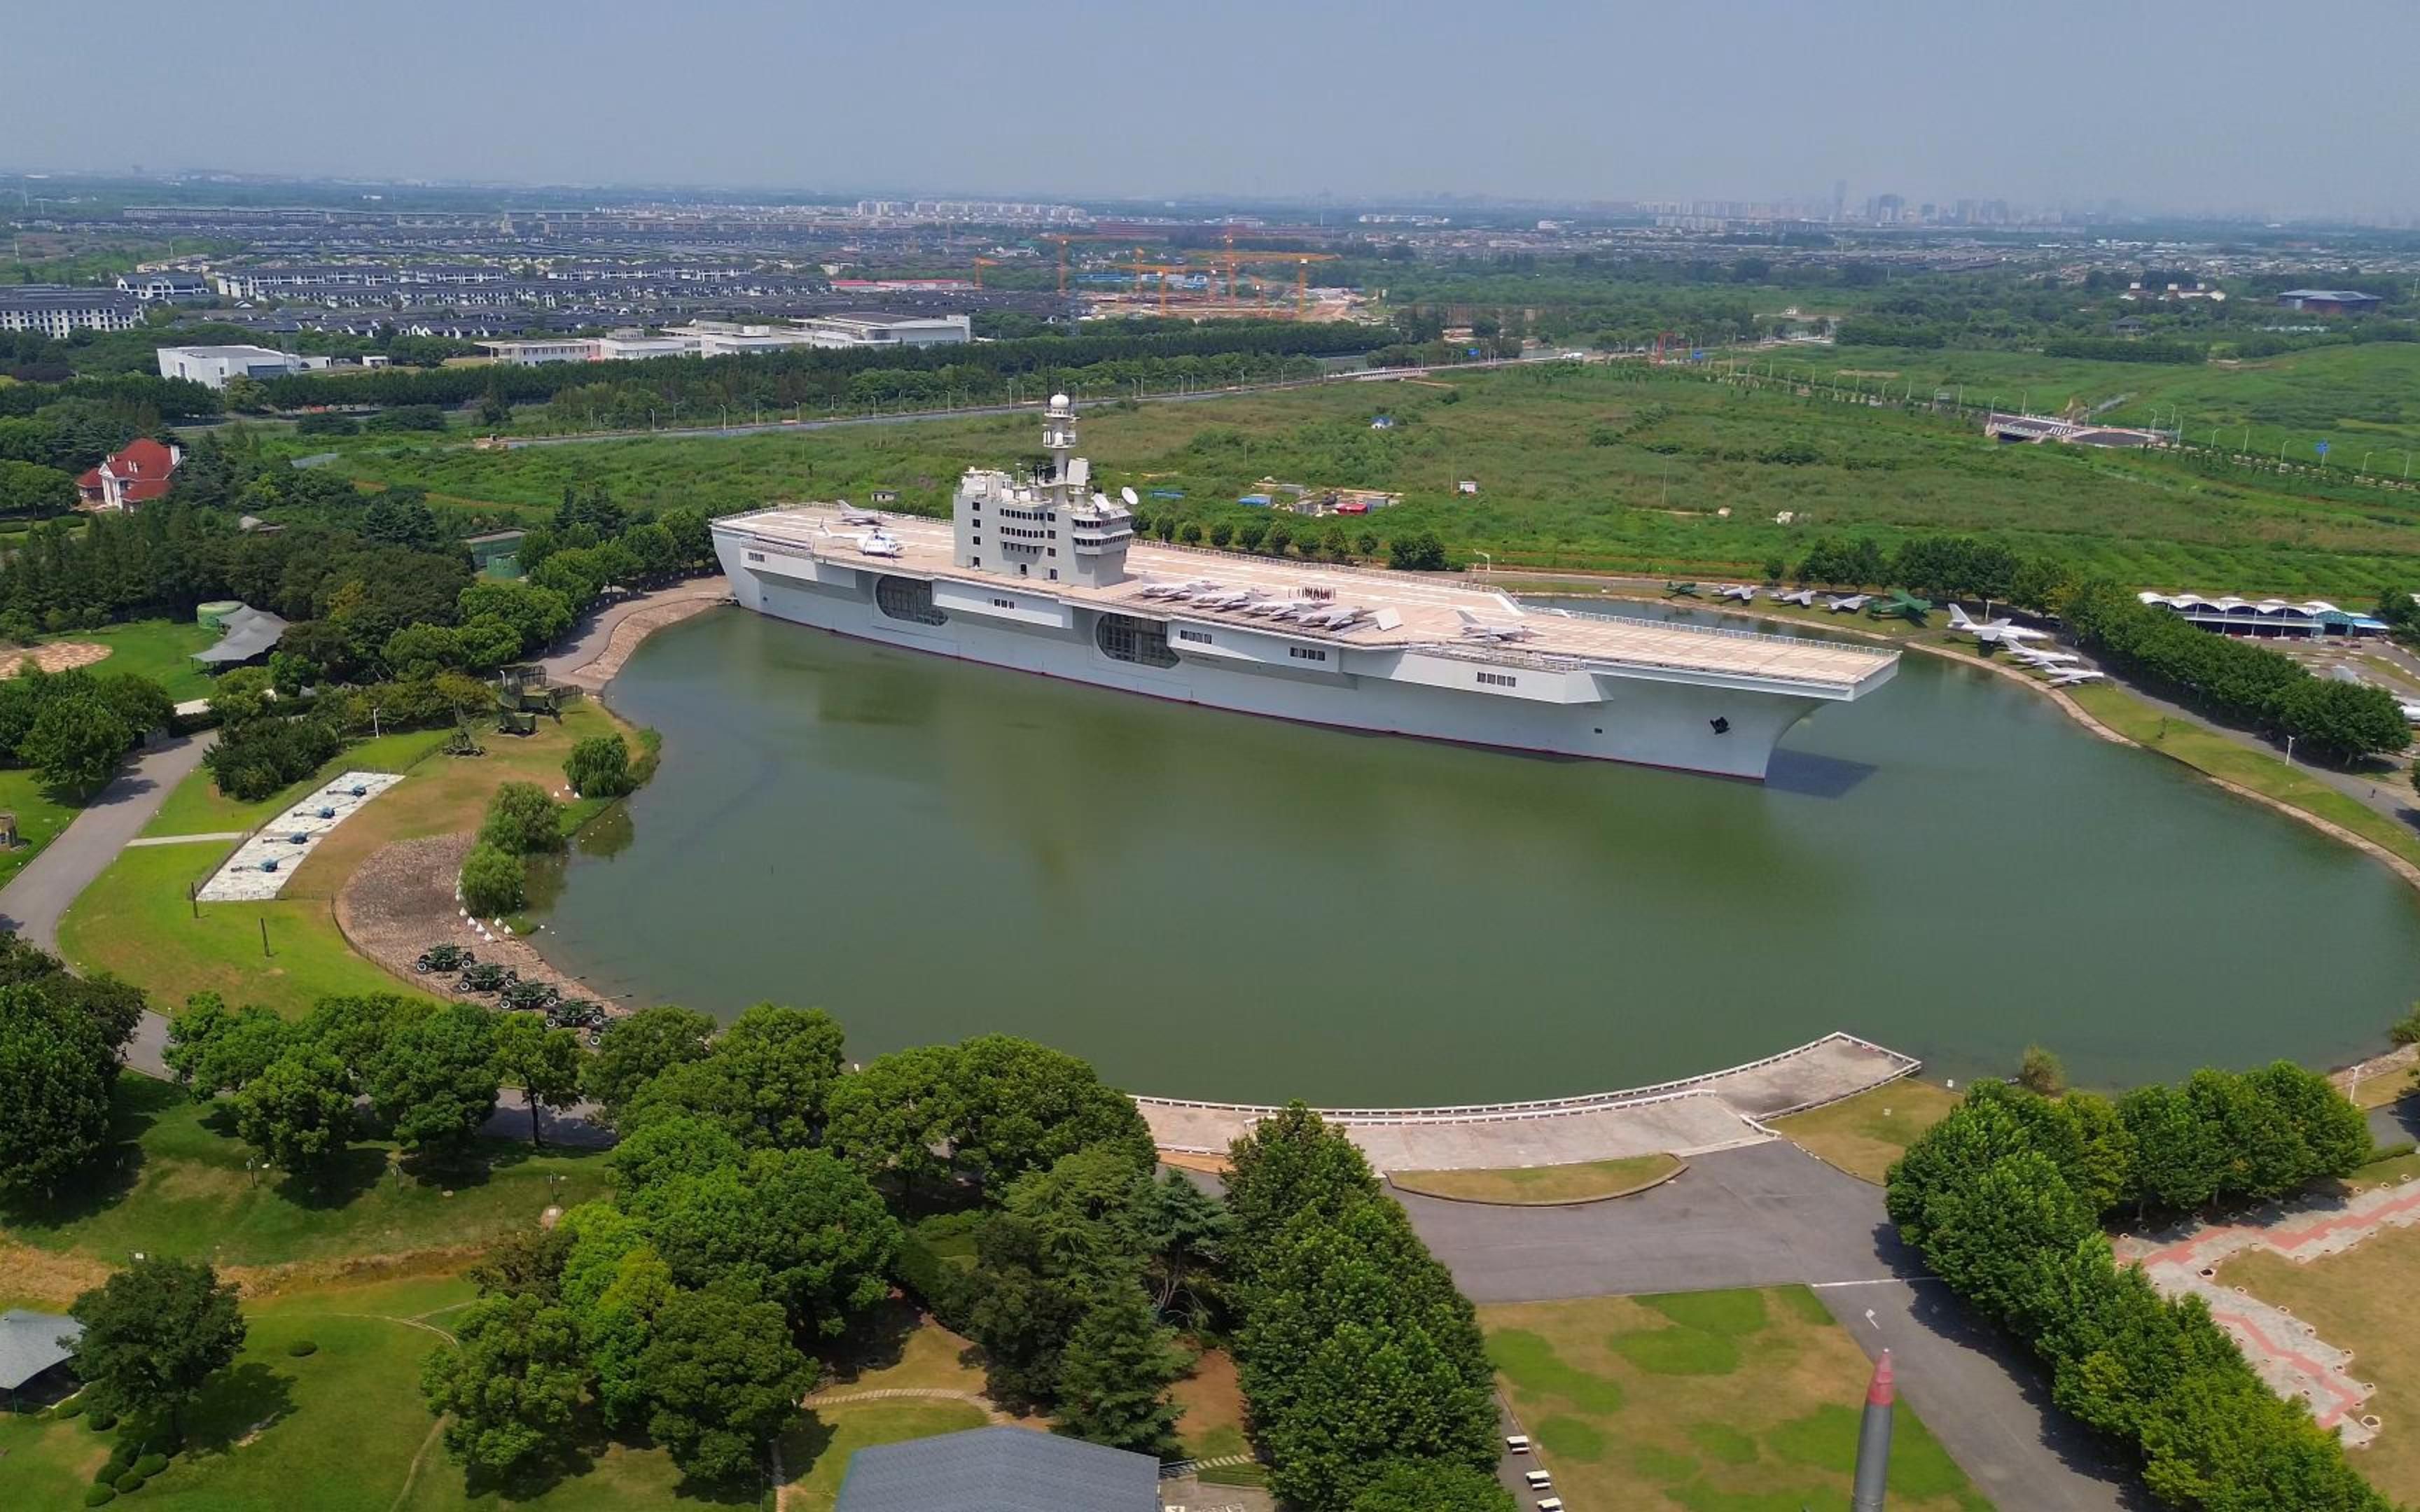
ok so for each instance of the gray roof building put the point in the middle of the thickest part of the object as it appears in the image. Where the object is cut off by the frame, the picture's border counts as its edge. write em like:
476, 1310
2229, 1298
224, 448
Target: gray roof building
30, 1343
1000, 1470
248, 633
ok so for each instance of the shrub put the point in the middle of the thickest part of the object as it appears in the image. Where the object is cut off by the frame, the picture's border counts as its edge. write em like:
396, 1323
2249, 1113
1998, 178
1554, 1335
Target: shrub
150, 1465
522, 820
493, 881
128, 1483
73, 1407
1420, 551
2039, 1071
2406, 1030
114, 1466
301, 1349
99, 1496
253, 761
102, 1422
599, 767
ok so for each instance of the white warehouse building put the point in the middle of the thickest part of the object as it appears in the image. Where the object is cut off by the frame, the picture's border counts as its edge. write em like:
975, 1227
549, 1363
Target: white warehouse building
212, 367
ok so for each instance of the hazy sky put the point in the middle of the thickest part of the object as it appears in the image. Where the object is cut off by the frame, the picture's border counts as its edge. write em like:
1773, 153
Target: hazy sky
2215, 103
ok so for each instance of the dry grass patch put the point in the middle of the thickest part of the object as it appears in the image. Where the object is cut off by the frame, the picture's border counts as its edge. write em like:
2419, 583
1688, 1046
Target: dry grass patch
57, 656
1864, 1134
1213, 1400
2361, 1300
1732, 1400
915, 1352
1542, 1185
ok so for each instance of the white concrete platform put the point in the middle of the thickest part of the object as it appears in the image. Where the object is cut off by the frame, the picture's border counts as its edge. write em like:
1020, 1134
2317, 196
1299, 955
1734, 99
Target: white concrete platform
289, 837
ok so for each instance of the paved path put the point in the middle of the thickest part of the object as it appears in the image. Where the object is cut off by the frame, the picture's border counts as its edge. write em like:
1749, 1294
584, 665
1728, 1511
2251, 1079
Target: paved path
592, 639
1769, 1215
1714, 1111
186, 839
34, 900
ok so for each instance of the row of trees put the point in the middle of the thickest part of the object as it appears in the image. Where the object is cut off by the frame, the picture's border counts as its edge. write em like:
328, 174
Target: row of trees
2004, 1197
60, 1036
522, 820
1363, 1364
2238, 680
74, 727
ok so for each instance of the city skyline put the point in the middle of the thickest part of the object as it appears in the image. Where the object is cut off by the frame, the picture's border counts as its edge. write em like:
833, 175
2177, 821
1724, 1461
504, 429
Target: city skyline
1360, 103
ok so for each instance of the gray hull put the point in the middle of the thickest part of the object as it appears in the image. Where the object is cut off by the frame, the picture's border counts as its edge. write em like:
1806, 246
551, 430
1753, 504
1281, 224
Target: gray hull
1429, 692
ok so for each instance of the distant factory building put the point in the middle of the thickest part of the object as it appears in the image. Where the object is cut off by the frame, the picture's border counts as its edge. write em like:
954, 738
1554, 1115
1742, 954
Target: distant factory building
212, 367
537, 353
857, 330
54, 309
2264, 618
2328, 301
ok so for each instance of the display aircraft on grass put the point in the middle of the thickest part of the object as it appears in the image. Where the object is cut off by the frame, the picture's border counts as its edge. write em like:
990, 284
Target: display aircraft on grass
1847, 602
1804, 598
1745, 593
1902, 605
1999, 632
1673, 590
2033, 657
2070, 676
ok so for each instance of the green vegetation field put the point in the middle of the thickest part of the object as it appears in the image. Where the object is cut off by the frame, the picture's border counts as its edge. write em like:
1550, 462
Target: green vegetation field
1611, 467
41, 817
1713, 1402
1864, 1134
161, 649
1585, 1181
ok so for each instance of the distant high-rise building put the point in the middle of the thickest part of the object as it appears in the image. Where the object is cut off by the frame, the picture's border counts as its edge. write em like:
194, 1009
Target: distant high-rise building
1839, 199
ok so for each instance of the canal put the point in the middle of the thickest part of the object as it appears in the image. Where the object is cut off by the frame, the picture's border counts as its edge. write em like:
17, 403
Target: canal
1212, 905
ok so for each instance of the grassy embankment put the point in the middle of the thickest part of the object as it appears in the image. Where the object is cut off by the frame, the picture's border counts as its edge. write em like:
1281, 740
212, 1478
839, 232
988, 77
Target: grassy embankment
136, 920
161, 649
1598, 468
1864, 1134
1715, 1401
1542, 1185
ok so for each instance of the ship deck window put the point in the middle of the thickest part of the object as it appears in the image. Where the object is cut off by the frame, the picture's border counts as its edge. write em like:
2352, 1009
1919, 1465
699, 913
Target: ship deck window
1123, 638
1004, 603
907, 599
1500, 679
1306, 654
755, 556
1202, 636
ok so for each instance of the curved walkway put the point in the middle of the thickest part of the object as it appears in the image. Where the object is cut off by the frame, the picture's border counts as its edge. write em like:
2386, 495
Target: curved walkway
1714, 1111
600, 645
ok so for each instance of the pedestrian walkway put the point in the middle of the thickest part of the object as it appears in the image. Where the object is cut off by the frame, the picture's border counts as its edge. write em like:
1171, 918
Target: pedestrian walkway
2288, 1353
1692, 1116
184, 840
261, 867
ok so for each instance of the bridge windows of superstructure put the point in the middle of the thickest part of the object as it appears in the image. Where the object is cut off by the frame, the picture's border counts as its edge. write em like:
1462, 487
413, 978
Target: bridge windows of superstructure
1124, 637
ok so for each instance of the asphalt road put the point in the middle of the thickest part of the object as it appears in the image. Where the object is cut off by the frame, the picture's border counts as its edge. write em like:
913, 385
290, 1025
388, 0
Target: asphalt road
1769, 1215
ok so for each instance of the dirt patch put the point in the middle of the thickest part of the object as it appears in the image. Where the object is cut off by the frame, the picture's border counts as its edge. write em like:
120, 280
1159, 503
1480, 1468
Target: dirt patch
57, 656
400, 902
47, 1278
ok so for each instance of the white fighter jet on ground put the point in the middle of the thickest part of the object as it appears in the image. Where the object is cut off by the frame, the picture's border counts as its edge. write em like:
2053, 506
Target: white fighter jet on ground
1999, 632
1847, 602
2070, 676
1804, 598
1745, 593
2033, 657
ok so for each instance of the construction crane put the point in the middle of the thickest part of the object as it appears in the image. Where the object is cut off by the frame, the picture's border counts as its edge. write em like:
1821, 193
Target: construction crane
1301, 260
1139, 267
981, 263
1062, 238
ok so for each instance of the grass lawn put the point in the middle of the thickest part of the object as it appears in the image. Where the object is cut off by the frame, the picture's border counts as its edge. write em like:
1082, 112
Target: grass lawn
39, 817
161, 649
2393, 1171
1713, 1402
2361, 1300
815, 1450
1585, 1181
1864, 1133
136, 919
911, 1350
342, 1430
2262, 772
181, 1188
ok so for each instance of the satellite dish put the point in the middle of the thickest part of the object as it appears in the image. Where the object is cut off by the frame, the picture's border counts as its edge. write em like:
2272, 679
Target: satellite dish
1128, 495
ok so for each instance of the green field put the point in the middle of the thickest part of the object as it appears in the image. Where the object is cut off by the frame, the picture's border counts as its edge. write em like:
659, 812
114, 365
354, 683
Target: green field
161, 649
1711, 1401
1606, 468
182, 1186
41, 817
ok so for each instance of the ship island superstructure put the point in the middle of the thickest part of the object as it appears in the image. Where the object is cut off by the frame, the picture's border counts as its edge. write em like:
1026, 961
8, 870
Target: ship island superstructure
1042, 573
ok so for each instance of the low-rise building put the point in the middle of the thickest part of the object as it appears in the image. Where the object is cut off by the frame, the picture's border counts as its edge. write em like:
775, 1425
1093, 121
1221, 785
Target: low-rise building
128, 478
866, 330
165, 287
536, 352
2328, 301
637, 345
1000, 1470
212, 367
2265, 618
55, 309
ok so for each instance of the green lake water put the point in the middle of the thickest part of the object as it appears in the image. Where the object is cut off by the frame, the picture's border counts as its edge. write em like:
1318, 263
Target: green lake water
1214, 906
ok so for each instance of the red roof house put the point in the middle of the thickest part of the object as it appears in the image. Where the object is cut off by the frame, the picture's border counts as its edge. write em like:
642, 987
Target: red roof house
131, 479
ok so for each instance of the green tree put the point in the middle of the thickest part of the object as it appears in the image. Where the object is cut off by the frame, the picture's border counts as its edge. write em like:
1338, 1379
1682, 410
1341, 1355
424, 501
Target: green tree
509, 1385
435, 1082
1181, 1229
1250, 533
1431, 1486
665, 1149
544, 1063
494, 881
213, 1051
2177, 1162
599, 767
1420, 551
58, 1067
1114, 1377
766, 1079
799, 1221
522, 821
76, 743
1222, 532
298, 1112
616, 1328
154, 1333
1025, 1105
634, 1050
2039, 1071
723, 1378
901, 1115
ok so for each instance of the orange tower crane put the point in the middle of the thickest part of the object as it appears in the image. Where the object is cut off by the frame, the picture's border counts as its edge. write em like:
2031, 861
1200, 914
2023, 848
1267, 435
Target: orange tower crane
1301, 260
1062, 238
981, 263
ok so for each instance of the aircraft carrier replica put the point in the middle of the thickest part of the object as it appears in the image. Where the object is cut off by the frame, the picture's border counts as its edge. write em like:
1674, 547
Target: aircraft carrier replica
1043, 574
